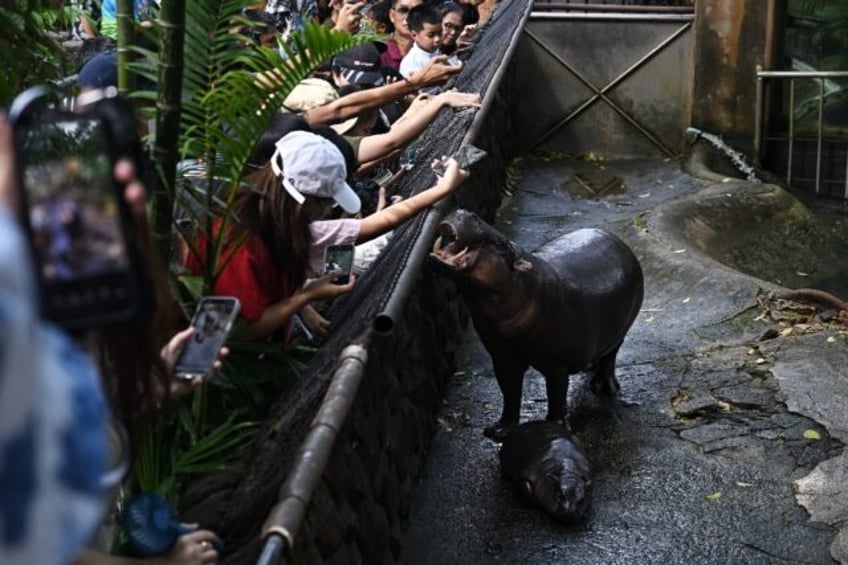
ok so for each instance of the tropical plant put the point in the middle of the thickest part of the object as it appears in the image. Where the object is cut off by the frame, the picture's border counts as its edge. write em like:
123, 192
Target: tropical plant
211, 109
27, 23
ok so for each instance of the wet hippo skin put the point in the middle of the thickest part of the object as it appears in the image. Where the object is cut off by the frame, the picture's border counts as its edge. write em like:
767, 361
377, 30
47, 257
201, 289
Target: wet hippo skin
562, 310
548, 467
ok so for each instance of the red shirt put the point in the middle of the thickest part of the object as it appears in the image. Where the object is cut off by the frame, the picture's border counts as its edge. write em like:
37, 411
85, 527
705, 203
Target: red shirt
392, 56
246, 273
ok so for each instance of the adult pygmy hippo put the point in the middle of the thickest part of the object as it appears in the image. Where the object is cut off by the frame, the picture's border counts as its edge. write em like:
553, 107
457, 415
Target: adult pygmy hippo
548, 467
562, 310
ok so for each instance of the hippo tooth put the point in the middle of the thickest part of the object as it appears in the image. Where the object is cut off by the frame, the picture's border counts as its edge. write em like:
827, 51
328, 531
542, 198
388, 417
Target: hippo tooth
437, 246
456, 258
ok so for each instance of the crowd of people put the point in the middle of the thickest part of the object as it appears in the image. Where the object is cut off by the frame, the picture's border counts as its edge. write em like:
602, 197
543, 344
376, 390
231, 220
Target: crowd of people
322, 175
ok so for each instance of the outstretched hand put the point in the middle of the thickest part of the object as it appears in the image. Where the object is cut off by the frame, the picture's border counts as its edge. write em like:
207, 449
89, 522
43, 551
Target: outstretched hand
453, 174
435, 72
456, 99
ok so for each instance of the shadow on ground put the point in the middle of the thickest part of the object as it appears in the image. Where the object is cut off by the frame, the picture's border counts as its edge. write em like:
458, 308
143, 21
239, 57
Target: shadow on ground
739, 415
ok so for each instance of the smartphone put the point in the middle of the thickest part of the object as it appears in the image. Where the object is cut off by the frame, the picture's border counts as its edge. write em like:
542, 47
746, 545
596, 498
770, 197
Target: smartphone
339, 258
465, 156
80, 226
453, 61
383, 177
212, 323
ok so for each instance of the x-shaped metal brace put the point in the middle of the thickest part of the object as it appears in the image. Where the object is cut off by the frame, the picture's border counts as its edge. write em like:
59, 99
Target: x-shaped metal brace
600, 93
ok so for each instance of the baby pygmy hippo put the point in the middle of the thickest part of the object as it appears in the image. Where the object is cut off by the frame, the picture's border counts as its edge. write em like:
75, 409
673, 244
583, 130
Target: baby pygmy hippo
547, 465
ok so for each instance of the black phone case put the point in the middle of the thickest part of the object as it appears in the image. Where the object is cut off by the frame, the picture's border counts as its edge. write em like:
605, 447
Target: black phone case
84, 302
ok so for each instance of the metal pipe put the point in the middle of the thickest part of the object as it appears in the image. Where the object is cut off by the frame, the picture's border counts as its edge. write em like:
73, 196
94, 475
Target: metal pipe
819, 137
285, 518
612, 8
803, 74
273, 552
845, 193
791, 131
758, 118
385, 320
613, 17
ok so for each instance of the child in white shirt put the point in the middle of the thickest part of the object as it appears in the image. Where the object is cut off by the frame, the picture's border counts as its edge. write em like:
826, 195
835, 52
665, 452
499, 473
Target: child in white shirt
425, 28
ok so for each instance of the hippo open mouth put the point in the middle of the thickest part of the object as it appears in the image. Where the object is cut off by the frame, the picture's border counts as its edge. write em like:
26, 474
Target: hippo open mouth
450, 250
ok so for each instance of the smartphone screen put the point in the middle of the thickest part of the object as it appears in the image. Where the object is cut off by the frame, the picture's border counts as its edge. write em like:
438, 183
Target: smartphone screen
339, 258
212, 323
73, 214
77, 219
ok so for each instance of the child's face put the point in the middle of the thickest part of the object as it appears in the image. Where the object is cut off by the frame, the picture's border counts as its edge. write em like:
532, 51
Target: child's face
428, 38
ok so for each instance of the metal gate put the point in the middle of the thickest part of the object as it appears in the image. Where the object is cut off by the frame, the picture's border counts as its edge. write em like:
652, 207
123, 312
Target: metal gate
607, 79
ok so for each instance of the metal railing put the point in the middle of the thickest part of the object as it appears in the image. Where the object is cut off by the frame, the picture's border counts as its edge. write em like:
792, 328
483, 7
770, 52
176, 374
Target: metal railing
759, 136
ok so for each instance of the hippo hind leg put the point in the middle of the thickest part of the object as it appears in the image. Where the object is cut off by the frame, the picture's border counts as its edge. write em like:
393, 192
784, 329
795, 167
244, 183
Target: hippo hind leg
603, 380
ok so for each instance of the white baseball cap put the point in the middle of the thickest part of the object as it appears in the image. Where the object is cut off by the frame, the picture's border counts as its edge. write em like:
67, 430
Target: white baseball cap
308, 164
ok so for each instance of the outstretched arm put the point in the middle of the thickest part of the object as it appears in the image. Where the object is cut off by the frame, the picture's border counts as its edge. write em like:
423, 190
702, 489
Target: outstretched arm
276, 315
389, 218
374, 147
436, 72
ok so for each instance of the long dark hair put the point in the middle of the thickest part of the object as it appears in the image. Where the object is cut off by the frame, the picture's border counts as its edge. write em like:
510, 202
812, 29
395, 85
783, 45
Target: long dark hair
263, 208
133, 373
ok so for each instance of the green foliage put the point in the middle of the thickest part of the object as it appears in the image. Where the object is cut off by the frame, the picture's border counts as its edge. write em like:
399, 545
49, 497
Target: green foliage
177, 449
28, 55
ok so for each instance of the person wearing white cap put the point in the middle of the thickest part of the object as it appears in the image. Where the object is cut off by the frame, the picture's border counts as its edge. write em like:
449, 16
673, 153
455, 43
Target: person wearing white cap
276, 236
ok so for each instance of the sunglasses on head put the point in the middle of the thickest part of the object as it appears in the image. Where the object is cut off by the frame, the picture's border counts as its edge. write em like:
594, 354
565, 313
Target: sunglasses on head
402, 9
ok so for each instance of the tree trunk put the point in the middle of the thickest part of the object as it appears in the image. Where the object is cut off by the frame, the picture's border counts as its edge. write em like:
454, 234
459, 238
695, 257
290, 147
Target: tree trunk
166, 148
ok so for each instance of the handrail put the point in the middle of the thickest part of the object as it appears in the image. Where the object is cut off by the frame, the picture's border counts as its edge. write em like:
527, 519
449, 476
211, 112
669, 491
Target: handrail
285, 518
763, 75
384, 321
567, 6
615, 16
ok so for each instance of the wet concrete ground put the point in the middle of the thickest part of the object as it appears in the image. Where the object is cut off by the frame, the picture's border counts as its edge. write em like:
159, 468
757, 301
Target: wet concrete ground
703, 468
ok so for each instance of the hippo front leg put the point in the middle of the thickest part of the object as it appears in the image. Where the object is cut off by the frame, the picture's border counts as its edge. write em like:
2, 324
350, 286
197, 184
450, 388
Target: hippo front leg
510, 374
556, 384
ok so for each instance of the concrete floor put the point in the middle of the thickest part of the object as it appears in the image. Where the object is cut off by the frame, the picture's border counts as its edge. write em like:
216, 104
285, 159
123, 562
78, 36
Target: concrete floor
703, 468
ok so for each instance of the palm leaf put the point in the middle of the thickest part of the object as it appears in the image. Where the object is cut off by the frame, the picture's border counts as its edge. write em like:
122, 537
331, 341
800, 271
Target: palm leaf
213, 452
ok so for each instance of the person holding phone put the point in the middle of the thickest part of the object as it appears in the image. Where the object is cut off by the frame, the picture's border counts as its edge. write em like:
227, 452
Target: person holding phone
274, 249
52, 494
